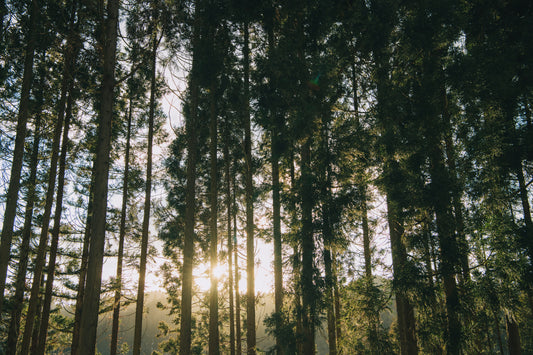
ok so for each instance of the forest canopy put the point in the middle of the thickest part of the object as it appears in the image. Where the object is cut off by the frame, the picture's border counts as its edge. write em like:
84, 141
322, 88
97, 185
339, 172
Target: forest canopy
279, 177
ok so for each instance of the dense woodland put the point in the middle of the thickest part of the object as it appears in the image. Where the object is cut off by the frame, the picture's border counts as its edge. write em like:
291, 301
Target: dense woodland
380, 151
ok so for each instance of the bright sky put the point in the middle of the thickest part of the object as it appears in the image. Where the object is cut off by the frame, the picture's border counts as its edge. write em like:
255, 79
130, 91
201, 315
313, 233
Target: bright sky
264, 279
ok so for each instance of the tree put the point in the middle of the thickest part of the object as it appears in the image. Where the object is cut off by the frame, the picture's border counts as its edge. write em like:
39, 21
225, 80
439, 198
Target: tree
190, 204
148, 188
89, 315
16, 167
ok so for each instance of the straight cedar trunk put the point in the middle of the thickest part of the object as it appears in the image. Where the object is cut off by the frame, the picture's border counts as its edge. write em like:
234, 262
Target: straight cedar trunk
276, 201
14, 180
405, 310
45, 224
121, 237
336, 295
249, 190
214, 337
227, 169
367, 250
83, 272
237, 274
47, 302
524, 198
308, 290
513, 336
296, 266
406, 317
35, 333
147, 201
441, 200
276, 224
448, 251
91, 298
327, 234
71, 53
20, 284
190, 203
457, 191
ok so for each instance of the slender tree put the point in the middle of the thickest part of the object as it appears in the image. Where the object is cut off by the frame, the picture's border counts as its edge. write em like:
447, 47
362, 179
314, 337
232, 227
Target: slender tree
122, 235
91, 299
16, 166
47, 301
214, 337
227, 173
20, 286
190, 203
148, 192
249, 188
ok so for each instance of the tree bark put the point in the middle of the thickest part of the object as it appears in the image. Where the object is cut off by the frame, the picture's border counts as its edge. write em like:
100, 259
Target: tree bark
83, 272
121, 237
14, 181
20, 285
249, 190
513, 336
406, 319
296, 265
47, 302
336, 294
237, 273
190, 203
43, 239
457, 192
327, 234
227, 169
147, 201
308, 250
91, 299
214, 337
276, 201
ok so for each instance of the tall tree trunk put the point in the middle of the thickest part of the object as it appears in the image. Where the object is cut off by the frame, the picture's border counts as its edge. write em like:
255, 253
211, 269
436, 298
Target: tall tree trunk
14, 181
227, 169
45, 224
405, 311
367, 250
526, 208
35, 333
237, 273
296, 264
20, 285
406, 318
190, 203
121, 237
337, 297
448, 246
249, 190
276, 224
47, 302
457, 191
513, 336
276, 187
83, 272
327, 234
91, 299
214, 337
308, 289
147, 201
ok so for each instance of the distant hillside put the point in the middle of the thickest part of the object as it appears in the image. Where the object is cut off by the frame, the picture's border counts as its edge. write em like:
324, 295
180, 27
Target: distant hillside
154, 315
